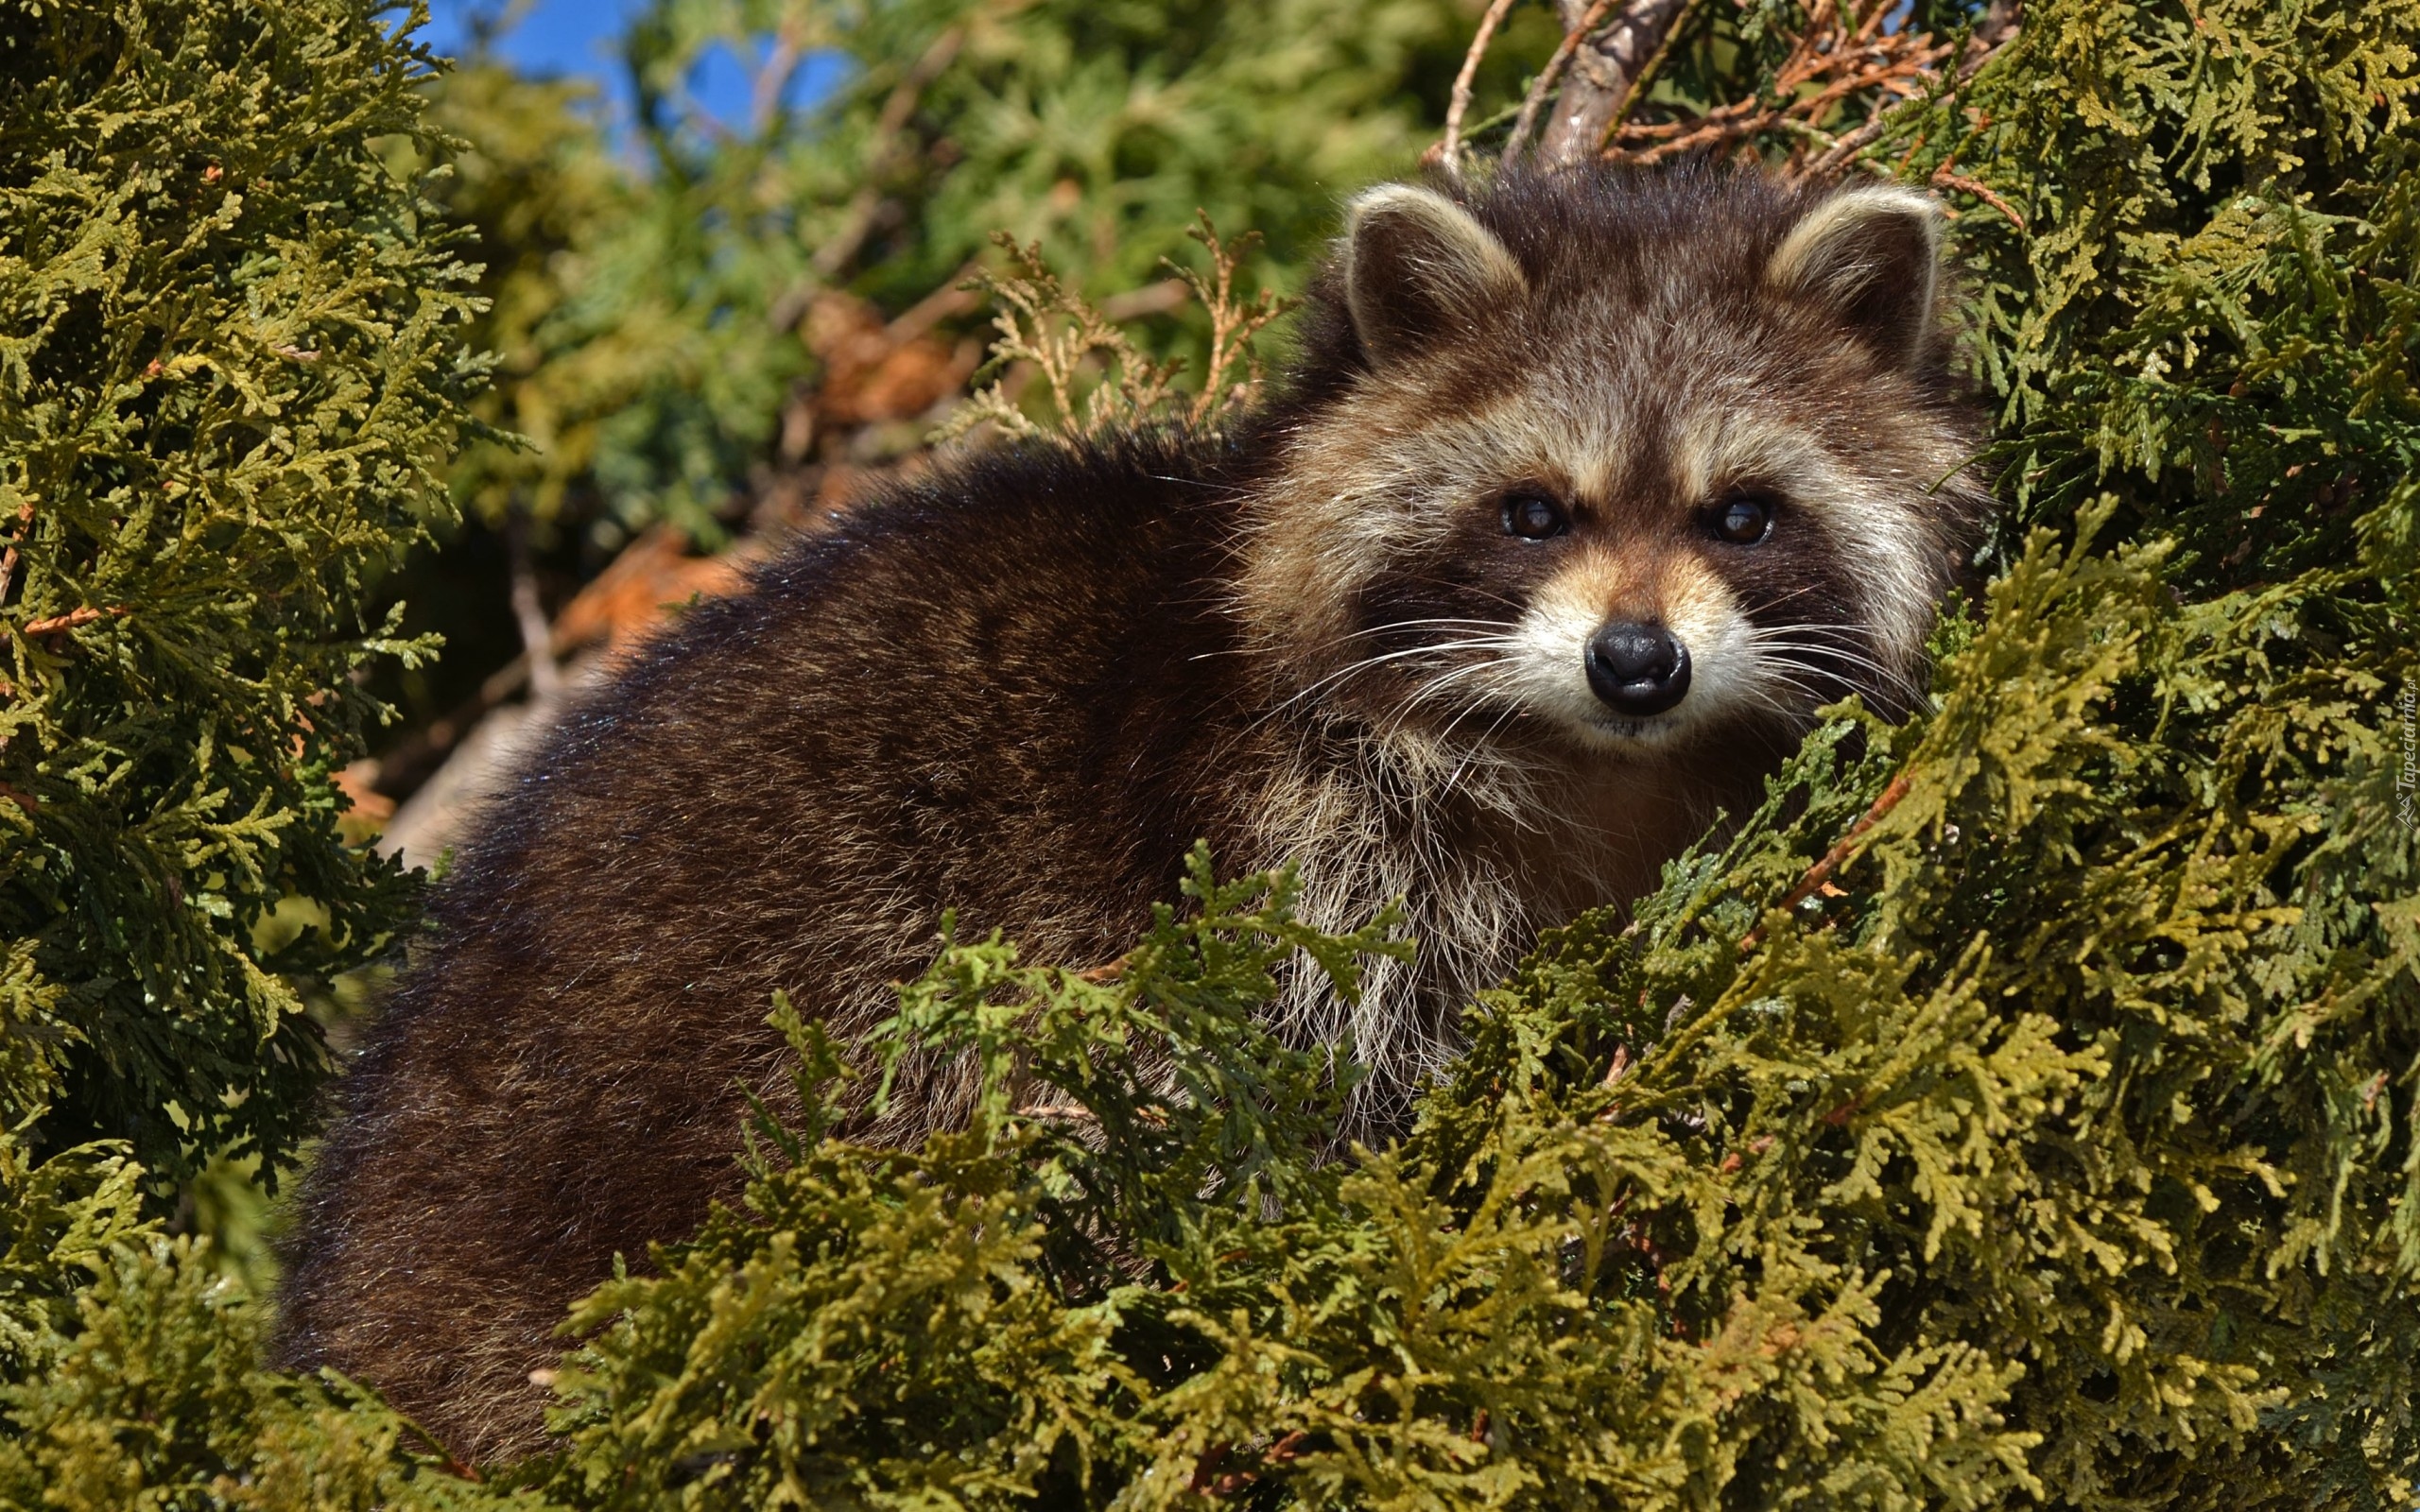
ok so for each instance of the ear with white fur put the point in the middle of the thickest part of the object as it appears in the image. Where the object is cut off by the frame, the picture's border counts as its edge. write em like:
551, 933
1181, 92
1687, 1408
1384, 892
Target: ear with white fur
1416, 265
1872, 257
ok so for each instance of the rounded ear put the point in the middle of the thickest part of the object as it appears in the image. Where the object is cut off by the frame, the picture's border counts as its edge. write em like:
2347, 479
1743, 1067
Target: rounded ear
1417, 264
1872, 257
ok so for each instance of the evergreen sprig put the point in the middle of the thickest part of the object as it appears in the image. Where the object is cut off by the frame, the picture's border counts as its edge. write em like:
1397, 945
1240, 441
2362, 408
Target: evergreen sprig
230, 373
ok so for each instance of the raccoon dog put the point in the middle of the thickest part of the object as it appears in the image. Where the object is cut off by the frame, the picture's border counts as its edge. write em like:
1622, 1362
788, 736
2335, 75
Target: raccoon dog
1584, 491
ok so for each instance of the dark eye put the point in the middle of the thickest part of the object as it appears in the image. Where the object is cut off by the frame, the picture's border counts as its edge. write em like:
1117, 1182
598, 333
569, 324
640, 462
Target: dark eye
1743, 519
1534, 517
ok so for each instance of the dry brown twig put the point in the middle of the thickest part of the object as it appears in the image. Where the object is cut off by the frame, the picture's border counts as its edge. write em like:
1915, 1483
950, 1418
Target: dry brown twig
1645, 77
1840, 57
1106, 973
1449, 151
1831, 60
1602, 70
1832, 860
1944, 179
73, 619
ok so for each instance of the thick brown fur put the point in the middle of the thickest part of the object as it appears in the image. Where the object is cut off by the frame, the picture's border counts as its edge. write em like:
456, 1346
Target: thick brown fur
1024, 685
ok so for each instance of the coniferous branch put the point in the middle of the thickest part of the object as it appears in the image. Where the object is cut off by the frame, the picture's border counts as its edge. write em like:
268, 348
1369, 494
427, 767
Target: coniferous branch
1049, 332
1838, 56
1831, 861
1096, 378
1231, 373
231, 348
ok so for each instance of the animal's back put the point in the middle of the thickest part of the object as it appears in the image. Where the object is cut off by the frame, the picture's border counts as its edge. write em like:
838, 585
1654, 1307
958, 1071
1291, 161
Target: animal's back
994, 692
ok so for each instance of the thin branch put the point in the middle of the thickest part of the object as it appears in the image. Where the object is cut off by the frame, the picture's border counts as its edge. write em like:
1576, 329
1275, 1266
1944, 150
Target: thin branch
529, 613
1547, 77
842, 250
73, 619
1846, 147
1836, 59
1645, 79
1821, 870
1450, 150
1997, 30
1618, 1066
1893, 62
9, 557
774, 80
931, 311
1107, 971
1944, 179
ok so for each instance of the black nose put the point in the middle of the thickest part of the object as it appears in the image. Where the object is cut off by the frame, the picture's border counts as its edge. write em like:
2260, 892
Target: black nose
1638, 669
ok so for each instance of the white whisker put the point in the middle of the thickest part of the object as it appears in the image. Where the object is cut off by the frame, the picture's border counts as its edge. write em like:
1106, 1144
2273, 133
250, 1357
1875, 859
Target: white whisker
1496, 642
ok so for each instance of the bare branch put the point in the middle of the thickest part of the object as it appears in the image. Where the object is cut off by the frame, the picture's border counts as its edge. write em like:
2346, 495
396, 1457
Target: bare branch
772, 80
1944, 179
1821, 870
842, 250
1841, 57
1544, 83
529, 612
73, 619
1450, 150
1603, 74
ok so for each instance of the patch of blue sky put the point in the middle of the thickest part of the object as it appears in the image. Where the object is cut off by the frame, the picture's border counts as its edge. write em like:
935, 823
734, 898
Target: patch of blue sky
578, 39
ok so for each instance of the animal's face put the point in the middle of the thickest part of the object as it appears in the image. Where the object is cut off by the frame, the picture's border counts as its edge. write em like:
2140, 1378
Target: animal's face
1638, 486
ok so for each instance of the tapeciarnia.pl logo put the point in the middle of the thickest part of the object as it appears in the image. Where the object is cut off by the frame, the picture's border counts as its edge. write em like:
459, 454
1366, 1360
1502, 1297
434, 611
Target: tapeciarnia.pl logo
2407, 774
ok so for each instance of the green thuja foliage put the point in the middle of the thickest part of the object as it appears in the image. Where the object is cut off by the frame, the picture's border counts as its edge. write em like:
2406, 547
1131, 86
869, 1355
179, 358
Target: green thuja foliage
129, 1372
2020, 1108
1922, 1194
2208, 301
961, 1320
158, 1401
62, 1220
230, 368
